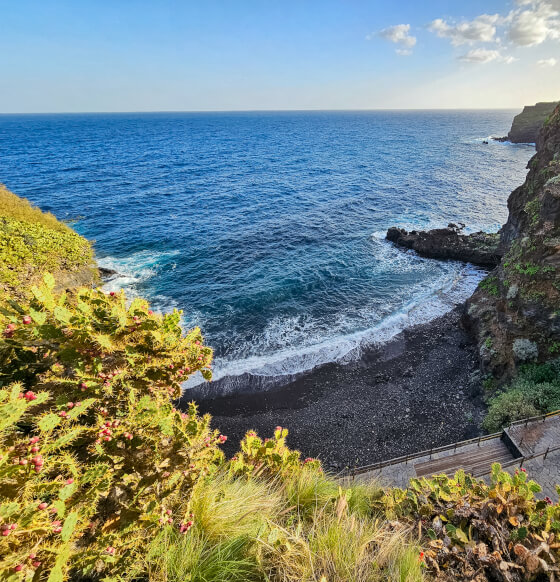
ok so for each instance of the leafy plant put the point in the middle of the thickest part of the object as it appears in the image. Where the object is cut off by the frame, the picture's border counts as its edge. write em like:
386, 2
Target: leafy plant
536, 390
470, 527
269, 457
113, 455
490, 285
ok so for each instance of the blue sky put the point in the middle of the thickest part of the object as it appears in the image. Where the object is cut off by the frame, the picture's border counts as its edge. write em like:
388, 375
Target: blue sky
238, 54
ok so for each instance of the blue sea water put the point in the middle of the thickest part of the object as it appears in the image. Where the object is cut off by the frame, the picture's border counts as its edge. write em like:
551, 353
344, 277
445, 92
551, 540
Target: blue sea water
267, 228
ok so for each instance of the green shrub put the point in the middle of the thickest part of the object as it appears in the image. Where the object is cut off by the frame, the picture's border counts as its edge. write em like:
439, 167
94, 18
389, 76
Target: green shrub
490, 285
469, 527
508, 407
94, 434
535, 391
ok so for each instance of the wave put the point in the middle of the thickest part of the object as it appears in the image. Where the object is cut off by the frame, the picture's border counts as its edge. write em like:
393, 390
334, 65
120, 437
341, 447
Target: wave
310, 348
134, 270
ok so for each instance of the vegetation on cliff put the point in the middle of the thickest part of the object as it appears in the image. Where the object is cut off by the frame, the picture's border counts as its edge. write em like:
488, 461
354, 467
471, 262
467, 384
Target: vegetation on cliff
33, 242
535, 390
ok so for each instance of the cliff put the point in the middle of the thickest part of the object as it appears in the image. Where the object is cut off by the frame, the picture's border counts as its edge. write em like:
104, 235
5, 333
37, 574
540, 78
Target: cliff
526, 126
515, 312
33, 242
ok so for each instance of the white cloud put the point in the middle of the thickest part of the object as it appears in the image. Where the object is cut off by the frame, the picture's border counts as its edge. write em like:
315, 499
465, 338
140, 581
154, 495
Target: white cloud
555, 4
547, 62
481, 55
403, 52
481, 29
536, 24
531, 23
399, 34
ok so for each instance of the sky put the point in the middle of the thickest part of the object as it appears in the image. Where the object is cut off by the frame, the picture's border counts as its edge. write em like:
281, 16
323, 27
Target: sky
207, 55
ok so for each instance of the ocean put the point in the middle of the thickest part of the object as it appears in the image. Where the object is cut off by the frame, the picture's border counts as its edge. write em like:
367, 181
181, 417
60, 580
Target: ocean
267, 228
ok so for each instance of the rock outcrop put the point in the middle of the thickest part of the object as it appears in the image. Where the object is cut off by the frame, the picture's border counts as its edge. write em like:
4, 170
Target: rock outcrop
479, 248
526, 126
515, 312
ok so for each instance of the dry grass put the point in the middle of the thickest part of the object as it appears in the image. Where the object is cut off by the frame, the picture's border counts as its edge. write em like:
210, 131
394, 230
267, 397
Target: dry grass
21, 209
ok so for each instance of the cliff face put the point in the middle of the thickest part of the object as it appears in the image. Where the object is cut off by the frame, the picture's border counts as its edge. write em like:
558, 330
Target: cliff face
526, 126
515, 312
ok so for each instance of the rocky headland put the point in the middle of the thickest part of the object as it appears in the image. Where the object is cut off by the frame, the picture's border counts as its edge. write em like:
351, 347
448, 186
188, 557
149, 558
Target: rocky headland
526, 126
514, 315
449, 243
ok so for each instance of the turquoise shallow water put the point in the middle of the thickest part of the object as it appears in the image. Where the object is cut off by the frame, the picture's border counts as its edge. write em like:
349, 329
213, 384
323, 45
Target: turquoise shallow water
267, 228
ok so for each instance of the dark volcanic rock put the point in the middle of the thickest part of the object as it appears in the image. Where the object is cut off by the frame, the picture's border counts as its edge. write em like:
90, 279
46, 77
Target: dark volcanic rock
478, 248
515, 312
526, 126
106, 274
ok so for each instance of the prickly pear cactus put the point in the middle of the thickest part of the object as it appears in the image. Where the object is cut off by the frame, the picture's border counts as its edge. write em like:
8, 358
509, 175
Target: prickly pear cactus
95, 458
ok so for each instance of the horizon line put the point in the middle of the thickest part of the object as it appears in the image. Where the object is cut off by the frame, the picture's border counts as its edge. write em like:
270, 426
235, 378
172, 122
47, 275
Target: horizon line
309, 110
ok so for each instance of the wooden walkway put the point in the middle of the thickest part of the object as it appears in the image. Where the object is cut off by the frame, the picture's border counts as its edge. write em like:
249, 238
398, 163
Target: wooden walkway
478, 461
533, 444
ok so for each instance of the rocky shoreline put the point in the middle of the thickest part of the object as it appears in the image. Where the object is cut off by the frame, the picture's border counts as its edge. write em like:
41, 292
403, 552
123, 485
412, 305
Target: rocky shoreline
420, 390
479, 248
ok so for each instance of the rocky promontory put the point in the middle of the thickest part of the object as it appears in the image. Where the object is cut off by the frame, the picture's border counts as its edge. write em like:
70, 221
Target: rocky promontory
515, 312
449, 243
526, 126
514, 315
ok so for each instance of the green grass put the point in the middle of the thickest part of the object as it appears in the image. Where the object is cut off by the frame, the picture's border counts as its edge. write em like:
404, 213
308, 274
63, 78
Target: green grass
178, 558
33, 242
306, 527
20, 209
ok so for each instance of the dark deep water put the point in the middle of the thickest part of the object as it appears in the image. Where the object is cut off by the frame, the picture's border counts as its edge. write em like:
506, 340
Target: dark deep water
267, 228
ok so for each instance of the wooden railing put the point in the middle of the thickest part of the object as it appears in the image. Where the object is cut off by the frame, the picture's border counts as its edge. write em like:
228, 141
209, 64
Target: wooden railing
429, 452
524, 458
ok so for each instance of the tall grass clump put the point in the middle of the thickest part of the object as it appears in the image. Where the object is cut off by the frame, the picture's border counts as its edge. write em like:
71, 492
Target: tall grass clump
177, 558
287, 521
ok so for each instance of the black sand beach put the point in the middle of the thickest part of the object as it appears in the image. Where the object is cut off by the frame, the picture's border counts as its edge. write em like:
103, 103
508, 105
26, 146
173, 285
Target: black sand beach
420, 390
